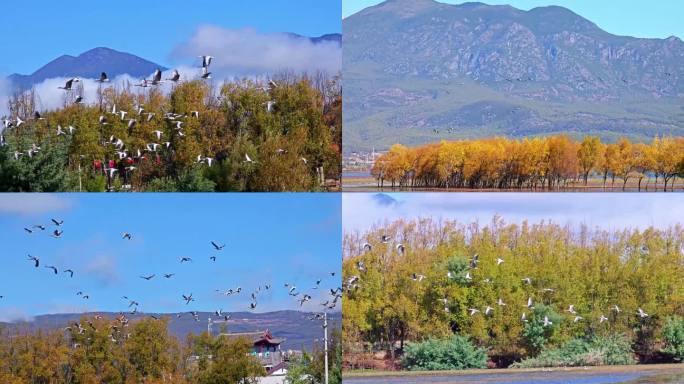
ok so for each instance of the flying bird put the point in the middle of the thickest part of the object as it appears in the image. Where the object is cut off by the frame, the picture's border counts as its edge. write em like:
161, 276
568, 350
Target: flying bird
69, 84
54, 269
175, 77
35, 259
148, 278
103, 78
206, 61
156, 78
205, 73
126, 235
69, 271
218, 247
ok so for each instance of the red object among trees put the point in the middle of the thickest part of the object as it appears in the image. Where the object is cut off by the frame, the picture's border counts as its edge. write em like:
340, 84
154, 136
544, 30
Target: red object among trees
97, 164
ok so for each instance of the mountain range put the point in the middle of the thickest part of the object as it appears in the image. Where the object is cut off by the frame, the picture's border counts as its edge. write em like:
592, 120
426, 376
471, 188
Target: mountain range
294, 326
88, 65
418, 71
95, 61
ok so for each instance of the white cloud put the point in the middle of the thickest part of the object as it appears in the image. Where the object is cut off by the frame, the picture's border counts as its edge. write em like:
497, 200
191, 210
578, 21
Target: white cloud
104, 269
11, 315
50, 97
609, 211
32, 204
247, 52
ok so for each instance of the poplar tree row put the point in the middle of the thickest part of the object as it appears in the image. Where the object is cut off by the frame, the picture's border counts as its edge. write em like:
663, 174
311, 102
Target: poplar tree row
554, 162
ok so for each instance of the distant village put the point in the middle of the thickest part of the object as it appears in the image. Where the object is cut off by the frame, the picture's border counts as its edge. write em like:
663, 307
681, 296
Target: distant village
360, 161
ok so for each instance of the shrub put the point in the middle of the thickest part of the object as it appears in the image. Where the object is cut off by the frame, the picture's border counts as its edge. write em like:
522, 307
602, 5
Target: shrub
449, 354
535, 333
673, 333
611, 350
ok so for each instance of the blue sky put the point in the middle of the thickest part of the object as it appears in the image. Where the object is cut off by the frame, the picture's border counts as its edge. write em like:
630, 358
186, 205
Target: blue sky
609, 211
271, 238
34, 32
638, 18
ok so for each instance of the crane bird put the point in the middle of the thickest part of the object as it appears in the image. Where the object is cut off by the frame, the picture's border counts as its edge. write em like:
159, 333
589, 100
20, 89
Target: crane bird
156, 78
36, 260
67, 86
175, 77
206, 61
205, 73
103, 78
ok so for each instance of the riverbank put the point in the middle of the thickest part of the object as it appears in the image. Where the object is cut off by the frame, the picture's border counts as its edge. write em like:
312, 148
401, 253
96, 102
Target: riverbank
660, 373
369, 184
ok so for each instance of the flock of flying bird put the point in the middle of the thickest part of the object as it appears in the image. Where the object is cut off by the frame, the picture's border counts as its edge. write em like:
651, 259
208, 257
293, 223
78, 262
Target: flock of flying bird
354, 282
334, 294
176, 120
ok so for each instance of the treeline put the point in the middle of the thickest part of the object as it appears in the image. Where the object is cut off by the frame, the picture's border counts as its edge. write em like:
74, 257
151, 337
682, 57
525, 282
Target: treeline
553, 162
421, 280
284, 135
97, 350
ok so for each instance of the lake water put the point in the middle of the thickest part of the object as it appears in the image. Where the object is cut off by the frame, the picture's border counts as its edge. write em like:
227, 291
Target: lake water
646, 377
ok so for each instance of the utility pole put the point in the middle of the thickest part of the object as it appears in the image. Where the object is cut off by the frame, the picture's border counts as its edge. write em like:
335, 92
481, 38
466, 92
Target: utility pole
325, 342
